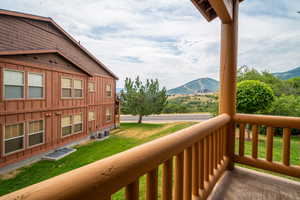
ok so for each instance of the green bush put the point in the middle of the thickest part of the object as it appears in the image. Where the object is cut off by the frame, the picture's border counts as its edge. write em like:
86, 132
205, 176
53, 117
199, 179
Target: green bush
254, 96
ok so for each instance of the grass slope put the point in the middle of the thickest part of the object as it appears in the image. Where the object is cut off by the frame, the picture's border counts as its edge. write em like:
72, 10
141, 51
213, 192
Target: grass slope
87, 154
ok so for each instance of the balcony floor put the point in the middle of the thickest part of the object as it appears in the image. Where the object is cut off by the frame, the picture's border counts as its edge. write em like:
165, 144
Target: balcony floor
249, 184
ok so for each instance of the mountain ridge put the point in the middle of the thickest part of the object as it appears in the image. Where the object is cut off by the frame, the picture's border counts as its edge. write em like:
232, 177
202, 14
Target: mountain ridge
201, 85
288, 74
210, 85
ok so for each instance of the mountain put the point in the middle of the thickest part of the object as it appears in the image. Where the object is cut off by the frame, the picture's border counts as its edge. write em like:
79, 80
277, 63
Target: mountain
288, 74
201, 85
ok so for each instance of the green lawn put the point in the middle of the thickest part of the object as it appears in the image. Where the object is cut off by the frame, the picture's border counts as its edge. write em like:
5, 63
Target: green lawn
89, 153
128, 136
277, 151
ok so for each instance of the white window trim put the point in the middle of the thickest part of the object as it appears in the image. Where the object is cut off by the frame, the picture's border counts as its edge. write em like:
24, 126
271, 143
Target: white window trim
73, 89
61, 127
3, 86
32, 146
4, 140
94, 86
94, 116
109, 96
72, 125
111, 115
61, 88
43, 85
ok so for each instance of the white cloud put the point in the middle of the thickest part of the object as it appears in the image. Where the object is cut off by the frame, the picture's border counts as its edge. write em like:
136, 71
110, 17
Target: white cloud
169, 39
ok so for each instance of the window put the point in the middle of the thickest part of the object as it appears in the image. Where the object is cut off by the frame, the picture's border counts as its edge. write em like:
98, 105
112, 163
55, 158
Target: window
108, 91
91, 87
66, 125
91, 115
14, 138
78, 88
77, 123
13, 84
66, 87
36, 133
71, 88
108, 114
71, 124
35, 84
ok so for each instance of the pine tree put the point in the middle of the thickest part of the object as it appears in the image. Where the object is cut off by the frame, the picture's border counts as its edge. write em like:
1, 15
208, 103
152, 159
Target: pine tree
142, 99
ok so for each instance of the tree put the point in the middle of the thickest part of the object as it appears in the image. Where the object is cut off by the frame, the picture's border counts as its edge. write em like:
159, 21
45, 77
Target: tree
253, 97
278, 86
142, 100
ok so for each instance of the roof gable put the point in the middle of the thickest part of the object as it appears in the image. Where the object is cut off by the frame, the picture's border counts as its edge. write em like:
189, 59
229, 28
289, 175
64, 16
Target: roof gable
68, 36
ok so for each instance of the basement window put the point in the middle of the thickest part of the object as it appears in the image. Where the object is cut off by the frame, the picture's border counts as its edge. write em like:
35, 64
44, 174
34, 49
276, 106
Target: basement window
35, 84
13, 84
14, 138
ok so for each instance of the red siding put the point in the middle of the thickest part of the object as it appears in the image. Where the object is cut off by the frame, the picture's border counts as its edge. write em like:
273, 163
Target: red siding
53, 107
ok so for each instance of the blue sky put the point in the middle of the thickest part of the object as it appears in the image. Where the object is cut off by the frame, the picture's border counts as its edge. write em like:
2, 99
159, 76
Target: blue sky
170, 40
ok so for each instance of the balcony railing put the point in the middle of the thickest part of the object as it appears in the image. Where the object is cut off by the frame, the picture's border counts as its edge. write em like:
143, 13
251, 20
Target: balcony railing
192, 162
270, 122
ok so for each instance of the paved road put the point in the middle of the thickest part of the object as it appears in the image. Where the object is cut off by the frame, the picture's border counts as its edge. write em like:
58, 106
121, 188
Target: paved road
168, 118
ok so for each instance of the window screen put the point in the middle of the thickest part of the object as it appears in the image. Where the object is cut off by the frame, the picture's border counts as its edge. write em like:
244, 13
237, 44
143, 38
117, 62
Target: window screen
14, 138
36, 132
91, 115
13, 84
35, 84
77, 123
108, 90
91, 87
108, 114
66, 125
77, 88
66, 87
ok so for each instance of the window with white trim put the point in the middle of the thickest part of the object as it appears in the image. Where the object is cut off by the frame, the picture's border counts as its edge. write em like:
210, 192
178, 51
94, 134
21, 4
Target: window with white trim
35, 133
66, 125
77, 123
92, 87
108, 114
13, 138
35, 85
71, 124
13, 84
108, 91
78, 91
66, 87
91, 115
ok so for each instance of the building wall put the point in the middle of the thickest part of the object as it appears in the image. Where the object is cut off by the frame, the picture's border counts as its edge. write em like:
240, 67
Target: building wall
18, 33
52, 107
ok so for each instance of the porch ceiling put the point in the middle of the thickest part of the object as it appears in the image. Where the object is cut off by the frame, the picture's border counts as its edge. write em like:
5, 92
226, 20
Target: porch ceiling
211, 9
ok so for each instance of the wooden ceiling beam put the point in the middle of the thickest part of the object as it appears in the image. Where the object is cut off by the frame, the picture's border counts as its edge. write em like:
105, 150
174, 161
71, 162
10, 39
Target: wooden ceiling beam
212, 9
224, 9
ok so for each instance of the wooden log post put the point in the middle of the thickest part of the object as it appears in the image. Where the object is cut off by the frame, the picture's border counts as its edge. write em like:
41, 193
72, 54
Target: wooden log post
229, 51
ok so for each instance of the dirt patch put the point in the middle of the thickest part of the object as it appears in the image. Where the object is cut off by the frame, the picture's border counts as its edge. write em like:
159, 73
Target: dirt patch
10, 175
138, 133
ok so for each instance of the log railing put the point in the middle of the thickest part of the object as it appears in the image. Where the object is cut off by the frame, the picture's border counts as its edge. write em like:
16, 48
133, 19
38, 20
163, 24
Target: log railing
267, 163
192, 161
